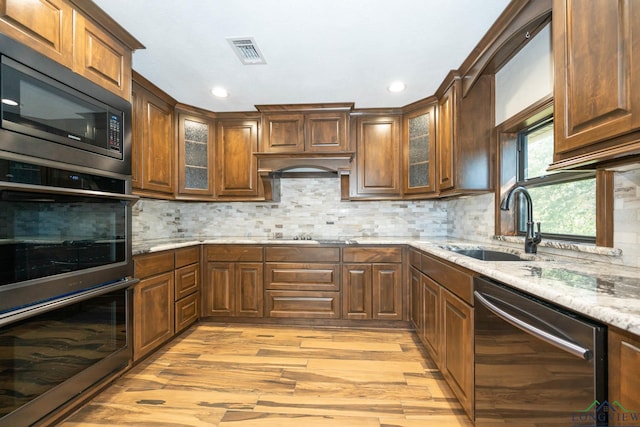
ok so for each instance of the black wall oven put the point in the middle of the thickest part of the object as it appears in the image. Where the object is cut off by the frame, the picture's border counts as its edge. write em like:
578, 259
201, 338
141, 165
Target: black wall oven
65, 236
61, 232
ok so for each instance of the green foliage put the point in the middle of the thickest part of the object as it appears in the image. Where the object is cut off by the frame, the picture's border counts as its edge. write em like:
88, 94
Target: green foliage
564, 208
567, 208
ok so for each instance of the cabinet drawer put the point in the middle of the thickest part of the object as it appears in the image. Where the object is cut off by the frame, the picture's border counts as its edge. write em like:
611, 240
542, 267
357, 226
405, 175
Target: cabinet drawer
150, 265
456, 280
186, 281
372, 254
302, 254
301, 304
186, 256
234, 253
186, 312
309, 277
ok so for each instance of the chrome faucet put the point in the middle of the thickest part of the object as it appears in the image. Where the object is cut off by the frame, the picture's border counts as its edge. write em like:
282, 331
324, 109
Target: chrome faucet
532, 238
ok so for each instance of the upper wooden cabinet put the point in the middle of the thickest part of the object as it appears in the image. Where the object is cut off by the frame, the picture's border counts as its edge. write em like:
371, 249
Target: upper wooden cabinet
196, 130
447, 131
235, 164
45, 25
464, 136
99, 57
283, 133
597, 73
153, 140
300, 129
419, 150
76, 34
377, 171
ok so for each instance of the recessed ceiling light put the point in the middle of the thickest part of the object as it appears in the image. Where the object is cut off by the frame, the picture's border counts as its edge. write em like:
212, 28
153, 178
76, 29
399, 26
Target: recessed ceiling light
396, 87
9, 102
220, 92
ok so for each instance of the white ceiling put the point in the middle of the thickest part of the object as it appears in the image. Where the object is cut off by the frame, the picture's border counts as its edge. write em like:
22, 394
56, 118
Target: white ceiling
316, 50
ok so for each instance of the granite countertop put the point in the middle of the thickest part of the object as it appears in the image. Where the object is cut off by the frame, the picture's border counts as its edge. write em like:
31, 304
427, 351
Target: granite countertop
607, 293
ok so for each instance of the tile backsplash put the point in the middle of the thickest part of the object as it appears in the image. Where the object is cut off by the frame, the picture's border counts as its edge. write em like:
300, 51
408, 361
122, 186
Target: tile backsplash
313, 206
308, 205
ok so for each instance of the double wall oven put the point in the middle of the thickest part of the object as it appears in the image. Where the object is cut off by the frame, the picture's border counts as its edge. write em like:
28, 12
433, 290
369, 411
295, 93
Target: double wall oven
65, 235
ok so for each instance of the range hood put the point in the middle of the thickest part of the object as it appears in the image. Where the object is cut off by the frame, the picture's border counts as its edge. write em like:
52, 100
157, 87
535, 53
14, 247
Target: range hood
283, 162
273, 166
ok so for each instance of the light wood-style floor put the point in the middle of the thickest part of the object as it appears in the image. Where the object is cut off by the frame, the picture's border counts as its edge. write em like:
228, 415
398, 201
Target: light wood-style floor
244, 375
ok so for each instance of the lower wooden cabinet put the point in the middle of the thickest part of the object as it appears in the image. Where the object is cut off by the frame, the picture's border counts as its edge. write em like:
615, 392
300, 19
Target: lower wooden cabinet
153, 313
442, 314
166, 299
233, 289
415, 296
372, 283
432, 318
302, 282
303, 304
457, 348
233, 284
624, 373
187, 287
187, 311
372, 291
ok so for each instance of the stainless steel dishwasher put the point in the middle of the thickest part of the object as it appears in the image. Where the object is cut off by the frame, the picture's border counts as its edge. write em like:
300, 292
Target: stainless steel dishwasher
536, 364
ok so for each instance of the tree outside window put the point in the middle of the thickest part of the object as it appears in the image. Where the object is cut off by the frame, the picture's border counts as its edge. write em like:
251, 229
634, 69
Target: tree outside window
563, 202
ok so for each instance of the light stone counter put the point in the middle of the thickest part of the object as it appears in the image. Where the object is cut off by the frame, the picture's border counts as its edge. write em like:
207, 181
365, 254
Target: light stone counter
604, 292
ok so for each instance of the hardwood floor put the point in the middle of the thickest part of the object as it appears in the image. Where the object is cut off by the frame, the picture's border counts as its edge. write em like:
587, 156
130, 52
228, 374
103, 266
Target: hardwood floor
245, 375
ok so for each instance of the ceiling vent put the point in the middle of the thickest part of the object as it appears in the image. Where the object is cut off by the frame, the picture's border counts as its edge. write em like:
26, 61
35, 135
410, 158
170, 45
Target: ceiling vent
247, 50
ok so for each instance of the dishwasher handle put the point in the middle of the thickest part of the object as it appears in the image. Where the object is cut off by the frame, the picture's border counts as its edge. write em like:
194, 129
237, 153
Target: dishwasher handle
561, 343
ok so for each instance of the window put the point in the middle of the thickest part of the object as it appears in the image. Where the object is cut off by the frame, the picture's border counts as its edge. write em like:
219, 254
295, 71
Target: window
563, 202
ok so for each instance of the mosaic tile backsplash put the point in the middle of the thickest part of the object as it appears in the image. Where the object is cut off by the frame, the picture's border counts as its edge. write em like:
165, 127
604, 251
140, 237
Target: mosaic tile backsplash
307, 206
313, 206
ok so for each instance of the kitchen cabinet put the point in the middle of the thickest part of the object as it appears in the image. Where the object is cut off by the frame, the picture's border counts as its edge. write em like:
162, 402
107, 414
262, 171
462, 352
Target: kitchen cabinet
187, 287
431, 301
233, 285
310, 132
377, 164
78, 35
464, 136
235, 163
196, 130
419, 150
372, 283
153, 156
302, 282
153, 302
624, 373
99, 57
165, 301
597, 72
457, 348
45, 26
444, 320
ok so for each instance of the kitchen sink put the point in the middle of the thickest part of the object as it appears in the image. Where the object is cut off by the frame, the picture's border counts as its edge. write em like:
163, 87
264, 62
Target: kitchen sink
487, 254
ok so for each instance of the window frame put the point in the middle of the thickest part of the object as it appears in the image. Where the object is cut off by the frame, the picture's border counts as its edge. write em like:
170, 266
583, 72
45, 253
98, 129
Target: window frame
560, 177
508, 164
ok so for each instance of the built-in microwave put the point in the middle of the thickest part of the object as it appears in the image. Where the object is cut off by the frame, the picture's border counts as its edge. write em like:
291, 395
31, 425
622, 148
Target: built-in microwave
50, 112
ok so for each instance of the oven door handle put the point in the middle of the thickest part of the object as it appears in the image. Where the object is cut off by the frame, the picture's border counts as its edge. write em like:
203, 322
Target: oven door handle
46, 306
30, 188
561, 343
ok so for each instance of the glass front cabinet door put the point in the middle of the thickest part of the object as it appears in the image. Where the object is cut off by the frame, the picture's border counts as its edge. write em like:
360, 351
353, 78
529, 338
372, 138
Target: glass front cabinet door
419, 151
195, 156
